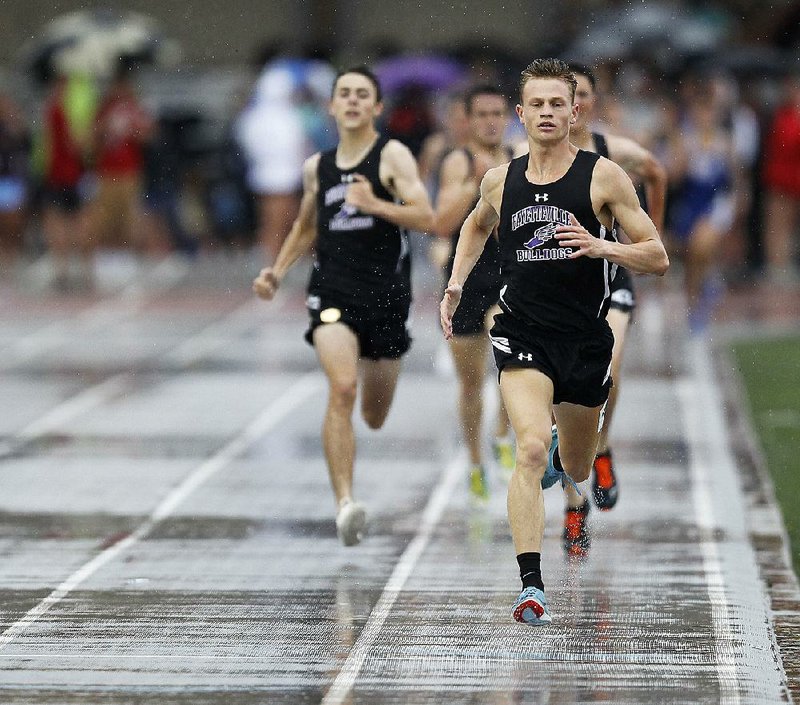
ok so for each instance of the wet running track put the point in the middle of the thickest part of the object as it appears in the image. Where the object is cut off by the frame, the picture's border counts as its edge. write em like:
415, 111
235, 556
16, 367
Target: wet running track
167, 536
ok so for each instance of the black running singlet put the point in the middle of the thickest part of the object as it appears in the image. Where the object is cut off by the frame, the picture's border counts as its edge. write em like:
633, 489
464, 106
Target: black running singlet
600, 144
486, 272
601, 148
541, 286
361, 260
623, 296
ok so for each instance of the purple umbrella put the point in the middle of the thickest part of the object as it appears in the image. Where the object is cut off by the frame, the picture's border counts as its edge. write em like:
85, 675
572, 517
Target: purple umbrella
425, 70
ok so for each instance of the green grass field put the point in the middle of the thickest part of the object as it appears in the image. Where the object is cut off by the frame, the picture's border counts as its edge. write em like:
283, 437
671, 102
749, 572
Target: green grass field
771, 372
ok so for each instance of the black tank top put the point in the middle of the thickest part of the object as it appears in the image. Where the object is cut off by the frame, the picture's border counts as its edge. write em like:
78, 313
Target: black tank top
600, 144
485, 275
601, 148
541, 286
361, 259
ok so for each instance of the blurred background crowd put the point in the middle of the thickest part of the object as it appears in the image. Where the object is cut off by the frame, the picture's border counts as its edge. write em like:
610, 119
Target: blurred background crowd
160, 132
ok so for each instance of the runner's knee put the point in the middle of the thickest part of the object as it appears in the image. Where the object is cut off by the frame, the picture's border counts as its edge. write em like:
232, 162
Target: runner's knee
578, 467
343, 392
532, 453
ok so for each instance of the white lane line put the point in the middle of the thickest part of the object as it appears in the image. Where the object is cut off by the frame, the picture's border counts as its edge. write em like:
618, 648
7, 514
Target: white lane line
130, 300
183, 355
66, 411
703, 428
285, 404
338, 692
81, 403
215, 334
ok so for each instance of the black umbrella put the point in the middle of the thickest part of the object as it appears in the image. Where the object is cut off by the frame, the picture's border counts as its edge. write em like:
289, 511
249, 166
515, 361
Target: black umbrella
94, 41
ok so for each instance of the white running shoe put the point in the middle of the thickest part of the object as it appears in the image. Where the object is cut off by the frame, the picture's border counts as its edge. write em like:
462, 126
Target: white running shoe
351, 521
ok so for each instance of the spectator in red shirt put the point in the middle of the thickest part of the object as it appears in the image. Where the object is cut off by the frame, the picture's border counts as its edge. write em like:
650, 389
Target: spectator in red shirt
122, 128
65, 142
781, 178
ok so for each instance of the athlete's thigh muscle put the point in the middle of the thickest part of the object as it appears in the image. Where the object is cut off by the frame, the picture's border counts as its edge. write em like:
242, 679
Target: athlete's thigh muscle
618, 321
469, 356
528, 398
337, 349
378, 384
578, 433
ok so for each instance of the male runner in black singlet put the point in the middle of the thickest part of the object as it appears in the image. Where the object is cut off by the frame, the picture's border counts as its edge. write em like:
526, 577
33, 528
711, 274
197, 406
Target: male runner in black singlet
357, 200
459, 182
556, 208
643, 168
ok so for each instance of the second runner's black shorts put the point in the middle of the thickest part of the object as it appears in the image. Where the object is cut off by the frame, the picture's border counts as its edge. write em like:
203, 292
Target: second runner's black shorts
382, 332
623, 295
470, 316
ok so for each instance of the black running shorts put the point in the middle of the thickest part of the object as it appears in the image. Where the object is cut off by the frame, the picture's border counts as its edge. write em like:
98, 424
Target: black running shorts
623, 295
470, 316
580, 369
381, 333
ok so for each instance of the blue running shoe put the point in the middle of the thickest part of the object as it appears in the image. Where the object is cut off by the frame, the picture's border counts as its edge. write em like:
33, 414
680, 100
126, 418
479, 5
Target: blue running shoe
551, 474
531, 607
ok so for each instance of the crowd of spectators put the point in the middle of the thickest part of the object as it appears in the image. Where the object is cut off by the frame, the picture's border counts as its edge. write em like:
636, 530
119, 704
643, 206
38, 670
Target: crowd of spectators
94, 169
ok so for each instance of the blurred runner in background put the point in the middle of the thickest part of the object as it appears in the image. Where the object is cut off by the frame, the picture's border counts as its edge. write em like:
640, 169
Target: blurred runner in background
460, 176
646, 170
358, 200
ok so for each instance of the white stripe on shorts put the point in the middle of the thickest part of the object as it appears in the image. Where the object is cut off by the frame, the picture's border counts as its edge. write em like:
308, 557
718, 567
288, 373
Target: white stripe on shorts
501, 344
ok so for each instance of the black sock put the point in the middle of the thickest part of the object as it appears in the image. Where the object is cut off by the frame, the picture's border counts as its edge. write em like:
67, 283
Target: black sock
583, 507
530, 570
557, 461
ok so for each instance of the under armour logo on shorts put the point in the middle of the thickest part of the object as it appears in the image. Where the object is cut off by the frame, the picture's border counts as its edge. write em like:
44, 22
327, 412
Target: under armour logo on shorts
525, 356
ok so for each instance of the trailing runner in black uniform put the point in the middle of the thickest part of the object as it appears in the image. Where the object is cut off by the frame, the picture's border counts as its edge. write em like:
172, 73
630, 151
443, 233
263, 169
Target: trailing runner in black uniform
650, 175
552, 342
459, 181
357, 201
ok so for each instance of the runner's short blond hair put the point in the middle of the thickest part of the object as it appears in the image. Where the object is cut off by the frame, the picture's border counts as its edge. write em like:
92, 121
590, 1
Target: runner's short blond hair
548, 68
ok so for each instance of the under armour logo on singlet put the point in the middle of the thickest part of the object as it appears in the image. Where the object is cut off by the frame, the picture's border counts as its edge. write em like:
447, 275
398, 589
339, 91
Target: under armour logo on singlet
541, 197
525, 356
